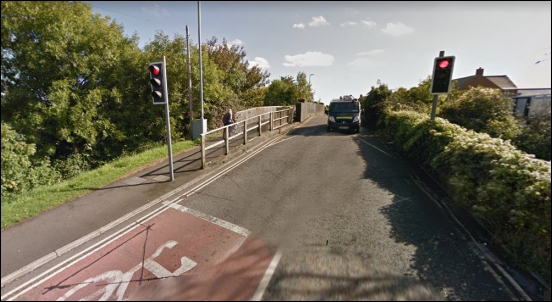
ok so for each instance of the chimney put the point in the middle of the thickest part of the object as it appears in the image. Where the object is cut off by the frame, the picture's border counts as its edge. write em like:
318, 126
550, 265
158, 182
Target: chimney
479, 72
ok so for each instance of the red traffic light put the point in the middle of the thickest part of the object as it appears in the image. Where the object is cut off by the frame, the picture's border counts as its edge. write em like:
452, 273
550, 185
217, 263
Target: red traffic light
444, 64
154, 69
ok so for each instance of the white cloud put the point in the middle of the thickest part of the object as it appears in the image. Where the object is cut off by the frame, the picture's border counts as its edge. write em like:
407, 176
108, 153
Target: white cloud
156, 10
309, 59
370, 53
397, 29
299, 25
259, 62
361, 63
350, 23
367, 60
368, 23
236, 42
318, 21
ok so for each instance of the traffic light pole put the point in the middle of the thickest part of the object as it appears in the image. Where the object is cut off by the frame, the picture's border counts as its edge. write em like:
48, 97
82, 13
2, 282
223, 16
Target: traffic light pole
167, 118
191, 113
435, 96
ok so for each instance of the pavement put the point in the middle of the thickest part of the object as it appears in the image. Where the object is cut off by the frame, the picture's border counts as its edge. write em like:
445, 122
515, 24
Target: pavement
51, 237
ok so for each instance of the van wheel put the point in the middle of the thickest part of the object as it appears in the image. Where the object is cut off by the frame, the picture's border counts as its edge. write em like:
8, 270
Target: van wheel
328, 129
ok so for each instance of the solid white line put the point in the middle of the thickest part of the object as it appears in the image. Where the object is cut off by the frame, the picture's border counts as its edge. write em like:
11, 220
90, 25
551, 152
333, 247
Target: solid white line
267, 276
225, 224
375, 147
226, 169
282, 140
485, 253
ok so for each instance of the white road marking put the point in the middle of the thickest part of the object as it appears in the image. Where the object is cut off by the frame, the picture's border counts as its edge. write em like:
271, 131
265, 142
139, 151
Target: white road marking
374, 147
119, 279
225, 224
267, 276
282, 140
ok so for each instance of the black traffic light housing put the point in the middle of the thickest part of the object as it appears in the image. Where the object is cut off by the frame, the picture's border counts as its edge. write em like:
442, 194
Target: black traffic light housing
158, 83
442, 75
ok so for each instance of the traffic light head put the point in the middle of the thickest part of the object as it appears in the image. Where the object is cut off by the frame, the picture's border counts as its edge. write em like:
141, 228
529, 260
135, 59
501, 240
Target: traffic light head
442, 75
158, 82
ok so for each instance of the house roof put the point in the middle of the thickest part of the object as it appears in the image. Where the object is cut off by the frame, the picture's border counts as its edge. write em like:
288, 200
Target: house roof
462, 81
525, 92
501, 81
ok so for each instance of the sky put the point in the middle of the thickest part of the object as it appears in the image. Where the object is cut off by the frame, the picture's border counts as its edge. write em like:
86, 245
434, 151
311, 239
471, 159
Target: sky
346, 47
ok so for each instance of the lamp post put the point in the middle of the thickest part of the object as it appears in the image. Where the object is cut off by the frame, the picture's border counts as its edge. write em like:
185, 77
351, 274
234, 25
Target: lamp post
310, 76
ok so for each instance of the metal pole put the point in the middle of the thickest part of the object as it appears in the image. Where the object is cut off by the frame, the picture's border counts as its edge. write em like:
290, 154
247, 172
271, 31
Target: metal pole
189, 75
167, 119
435, 96
202, 135
200, 61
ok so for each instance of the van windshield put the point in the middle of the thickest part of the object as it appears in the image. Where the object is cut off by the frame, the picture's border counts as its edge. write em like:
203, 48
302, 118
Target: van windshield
344, 107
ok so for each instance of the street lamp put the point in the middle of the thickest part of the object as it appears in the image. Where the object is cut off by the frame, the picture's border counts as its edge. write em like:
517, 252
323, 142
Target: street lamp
310, 76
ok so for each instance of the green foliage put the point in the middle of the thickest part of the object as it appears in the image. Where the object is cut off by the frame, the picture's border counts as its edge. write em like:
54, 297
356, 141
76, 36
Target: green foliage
71, 166
58, 62
509, 190
535, 137
374, 104
482, 110
75, 87
247, 82
418, 137
417, 98
287, 91
19, 173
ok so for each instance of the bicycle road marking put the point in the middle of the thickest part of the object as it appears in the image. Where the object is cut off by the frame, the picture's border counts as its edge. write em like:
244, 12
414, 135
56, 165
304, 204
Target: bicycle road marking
203, 237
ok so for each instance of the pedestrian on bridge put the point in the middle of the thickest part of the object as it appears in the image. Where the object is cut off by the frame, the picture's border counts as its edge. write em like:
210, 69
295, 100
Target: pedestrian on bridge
228, 119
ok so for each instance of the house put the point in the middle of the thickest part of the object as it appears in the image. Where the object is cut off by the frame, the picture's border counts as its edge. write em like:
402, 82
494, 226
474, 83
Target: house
527, 101
532, 102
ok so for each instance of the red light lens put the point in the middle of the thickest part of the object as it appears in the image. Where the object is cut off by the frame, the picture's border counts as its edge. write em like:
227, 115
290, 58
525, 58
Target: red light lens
444, 64
154, 69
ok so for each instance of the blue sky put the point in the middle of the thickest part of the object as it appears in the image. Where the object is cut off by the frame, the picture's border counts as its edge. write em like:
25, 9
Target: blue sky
348, 46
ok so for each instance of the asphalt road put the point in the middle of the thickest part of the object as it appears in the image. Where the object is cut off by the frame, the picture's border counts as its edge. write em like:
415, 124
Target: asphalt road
350, 220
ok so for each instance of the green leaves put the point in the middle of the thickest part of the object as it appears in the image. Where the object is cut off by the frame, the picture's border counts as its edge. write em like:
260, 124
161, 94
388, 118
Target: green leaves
482, 110
18, 171
287, 91
508, 189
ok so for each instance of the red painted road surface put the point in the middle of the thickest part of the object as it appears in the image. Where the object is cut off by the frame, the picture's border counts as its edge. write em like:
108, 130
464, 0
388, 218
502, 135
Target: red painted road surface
172, 256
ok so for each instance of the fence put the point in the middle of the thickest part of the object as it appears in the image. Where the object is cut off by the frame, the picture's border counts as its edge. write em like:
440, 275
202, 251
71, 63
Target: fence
244, 129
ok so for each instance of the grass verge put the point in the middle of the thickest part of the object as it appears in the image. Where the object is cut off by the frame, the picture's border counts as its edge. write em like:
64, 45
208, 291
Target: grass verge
30, 203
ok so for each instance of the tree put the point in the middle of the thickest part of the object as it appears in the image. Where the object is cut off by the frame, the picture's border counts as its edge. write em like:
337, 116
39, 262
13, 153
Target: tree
247, 82
287, 91
482, 110
304, 87
58, 61
374, 104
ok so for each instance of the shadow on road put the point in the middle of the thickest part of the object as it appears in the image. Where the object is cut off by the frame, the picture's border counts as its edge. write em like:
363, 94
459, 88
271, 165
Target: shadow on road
442, 258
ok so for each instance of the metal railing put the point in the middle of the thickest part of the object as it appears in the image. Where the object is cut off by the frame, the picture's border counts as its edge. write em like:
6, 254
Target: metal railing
270, 121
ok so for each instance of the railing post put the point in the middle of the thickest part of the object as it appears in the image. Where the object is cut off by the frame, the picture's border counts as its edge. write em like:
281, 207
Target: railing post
290, 115
202, 150
245, 132
226, 141
271, 120
260, 122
